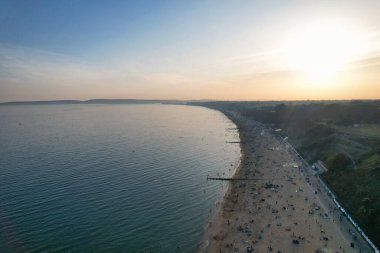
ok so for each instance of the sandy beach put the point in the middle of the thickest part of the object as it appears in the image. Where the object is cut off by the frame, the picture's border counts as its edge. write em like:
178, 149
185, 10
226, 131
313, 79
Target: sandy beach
281, 207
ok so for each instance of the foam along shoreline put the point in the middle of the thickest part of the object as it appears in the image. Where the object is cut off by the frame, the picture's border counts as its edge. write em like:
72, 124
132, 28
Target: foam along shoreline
285, 210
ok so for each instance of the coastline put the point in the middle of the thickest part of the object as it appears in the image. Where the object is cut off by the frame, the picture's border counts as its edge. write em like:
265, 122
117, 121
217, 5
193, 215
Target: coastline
281, 210
215, 222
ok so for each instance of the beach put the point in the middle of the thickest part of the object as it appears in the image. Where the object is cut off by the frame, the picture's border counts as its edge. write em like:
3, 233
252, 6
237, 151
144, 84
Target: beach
277, 204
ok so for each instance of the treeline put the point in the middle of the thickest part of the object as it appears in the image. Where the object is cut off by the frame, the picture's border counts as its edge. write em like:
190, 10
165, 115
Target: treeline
283, 114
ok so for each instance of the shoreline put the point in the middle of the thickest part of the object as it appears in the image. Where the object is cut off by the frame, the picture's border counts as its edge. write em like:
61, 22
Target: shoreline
279, 212
216, 212
214, 222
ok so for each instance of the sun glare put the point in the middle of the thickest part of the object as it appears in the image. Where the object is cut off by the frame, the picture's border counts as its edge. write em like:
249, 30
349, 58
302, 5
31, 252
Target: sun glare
321, 50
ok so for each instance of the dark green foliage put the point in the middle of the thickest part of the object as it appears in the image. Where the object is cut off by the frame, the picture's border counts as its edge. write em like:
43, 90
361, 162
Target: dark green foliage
359, 191
338, 162
321, 131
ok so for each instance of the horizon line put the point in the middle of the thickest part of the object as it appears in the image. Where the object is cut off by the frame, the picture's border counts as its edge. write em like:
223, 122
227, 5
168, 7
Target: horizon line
180, 100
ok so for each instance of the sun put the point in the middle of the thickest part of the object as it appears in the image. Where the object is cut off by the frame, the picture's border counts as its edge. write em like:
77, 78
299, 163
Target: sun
322, 49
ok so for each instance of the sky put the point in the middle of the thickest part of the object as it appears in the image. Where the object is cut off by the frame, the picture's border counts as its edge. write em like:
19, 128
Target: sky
222, 50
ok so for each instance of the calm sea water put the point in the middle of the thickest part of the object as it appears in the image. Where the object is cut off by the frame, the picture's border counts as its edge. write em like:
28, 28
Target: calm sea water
110, 178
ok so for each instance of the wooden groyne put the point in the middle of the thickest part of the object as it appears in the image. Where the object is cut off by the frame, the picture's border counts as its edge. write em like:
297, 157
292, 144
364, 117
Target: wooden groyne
231, 178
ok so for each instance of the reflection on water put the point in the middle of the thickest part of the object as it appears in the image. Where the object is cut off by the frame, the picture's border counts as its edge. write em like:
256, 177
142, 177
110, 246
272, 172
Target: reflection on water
109, 178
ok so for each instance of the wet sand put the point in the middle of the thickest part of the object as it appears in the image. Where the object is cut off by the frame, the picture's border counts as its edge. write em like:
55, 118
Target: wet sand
280, 209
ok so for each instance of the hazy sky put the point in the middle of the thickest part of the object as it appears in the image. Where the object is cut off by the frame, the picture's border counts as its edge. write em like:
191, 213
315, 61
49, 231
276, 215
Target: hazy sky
230, 50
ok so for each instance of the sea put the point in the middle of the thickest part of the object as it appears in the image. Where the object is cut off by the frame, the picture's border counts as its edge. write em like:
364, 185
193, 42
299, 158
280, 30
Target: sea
111, 178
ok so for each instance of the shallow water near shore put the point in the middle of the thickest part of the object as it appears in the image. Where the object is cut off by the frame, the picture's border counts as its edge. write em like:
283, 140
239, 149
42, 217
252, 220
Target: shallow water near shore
110, 178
